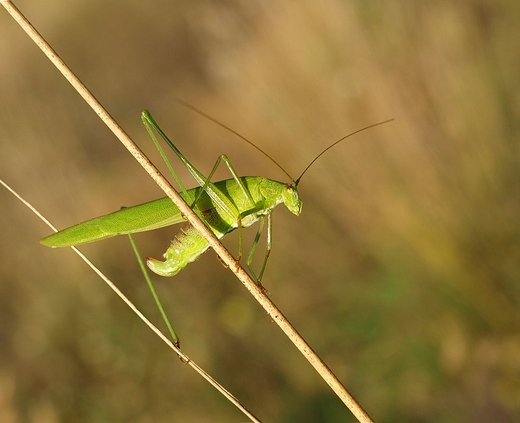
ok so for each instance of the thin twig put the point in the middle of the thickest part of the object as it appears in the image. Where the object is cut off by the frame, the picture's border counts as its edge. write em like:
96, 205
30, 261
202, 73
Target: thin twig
274, 313
179, 352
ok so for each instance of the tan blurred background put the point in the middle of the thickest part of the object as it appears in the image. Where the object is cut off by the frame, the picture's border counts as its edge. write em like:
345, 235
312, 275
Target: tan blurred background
402, 271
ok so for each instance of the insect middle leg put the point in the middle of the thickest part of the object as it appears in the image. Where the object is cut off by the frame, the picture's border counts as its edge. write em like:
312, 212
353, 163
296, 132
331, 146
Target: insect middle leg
225, 203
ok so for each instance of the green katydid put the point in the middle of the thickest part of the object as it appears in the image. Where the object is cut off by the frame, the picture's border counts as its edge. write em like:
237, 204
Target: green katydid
224, 206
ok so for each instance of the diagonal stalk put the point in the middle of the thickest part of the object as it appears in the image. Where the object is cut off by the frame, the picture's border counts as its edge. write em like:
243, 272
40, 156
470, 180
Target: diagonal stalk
258, 293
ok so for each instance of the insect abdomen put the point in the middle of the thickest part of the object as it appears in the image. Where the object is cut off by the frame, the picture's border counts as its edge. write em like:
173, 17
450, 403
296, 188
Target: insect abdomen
188, 245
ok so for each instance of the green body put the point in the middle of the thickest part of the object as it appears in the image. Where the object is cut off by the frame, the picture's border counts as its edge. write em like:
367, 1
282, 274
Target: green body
224, 206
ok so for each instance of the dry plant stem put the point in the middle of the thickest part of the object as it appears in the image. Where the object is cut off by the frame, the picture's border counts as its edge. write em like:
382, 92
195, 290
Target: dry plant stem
190, 215
154, 328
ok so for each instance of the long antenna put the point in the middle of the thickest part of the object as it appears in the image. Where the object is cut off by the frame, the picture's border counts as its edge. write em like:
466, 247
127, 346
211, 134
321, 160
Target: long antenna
200, 112
337, 142
297, 181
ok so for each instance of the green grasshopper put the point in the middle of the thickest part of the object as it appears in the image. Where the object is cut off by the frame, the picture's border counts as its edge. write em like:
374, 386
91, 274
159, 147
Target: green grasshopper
224, 206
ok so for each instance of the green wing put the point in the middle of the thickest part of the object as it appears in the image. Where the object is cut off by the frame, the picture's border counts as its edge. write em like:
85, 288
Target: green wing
154, 215
144, 217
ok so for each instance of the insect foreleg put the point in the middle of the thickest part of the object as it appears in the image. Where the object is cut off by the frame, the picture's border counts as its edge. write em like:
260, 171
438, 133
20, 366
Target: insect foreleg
267, 247
268, 244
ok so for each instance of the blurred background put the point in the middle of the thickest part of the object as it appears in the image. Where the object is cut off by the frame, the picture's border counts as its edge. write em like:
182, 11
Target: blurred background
402, 271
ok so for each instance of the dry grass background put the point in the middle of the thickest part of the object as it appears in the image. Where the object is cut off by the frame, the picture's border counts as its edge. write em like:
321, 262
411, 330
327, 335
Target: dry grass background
403, 270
